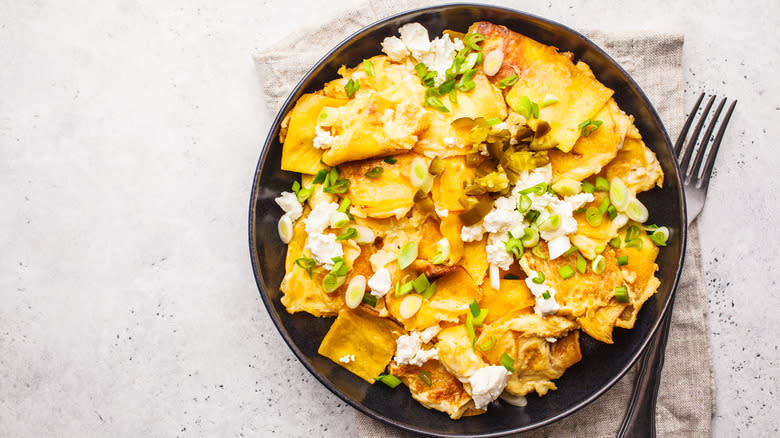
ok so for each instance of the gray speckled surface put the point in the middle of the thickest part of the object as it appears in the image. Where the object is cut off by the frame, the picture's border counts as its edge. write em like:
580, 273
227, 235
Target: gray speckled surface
129, 133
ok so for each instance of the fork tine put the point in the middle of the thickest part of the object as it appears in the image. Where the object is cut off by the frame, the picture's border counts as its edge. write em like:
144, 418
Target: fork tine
692, 173
705, 180
688, 151
684, 132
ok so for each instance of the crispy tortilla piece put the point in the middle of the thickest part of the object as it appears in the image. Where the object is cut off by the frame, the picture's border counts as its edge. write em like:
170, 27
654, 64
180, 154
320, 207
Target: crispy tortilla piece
429, 235
456, 353
450, 228
523, 336
369, 338
639, 275
448, 187
588, 238
581, 296
445, 392
474, 260
542, 70
390, 195
513, 295
590, 154
636, 165
454, 293
298, 152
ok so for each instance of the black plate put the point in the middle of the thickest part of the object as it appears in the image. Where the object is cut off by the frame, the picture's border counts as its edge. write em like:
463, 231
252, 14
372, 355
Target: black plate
601, 366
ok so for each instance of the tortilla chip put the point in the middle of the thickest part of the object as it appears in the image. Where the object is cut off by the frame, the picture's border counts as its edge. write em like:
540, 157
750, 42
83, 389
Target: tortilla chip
475, 260
448, 187
299, 153
513, 295
369, 338
445, 393
392, 194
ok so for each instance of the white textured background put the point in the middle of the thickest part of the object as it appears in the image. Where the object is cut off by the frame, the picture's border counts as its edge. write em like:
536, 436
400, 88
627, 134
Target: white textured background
129, 133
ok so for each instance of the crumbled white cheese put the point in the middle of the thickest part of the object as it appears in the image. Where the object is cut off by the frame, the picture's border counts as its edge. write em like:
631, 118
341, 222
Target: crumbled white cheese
409, 350
437, 55
487, 383
551, 340
380, 283
496, 251
442, 213
319, 218
449, 141
503, 216
500, 126
289, 203
428, 334
495, 277
544, 306
322, 138
548, 205
472, 233
347, 358
620, 220
558, 246
323, 248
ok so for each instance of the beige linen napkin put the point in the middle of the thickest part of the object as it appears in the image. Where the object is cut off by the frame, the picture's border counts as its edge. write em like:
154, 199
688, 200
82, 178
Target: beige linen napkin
654, 60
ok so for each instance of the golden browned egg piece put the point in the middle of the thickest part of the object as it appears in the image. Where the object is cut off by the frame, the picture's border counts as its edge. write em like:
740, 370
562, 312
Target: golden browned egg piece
438, 389
389, 195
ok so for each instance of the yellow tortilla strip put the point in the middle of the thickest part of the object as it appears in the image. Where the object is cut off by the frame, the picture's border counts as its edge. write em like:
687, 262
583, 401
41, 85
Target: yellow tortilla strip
448, 187
392, 194
542, 70
639, 275
513, 295
444, 392
369, 338
298, 152
474, 260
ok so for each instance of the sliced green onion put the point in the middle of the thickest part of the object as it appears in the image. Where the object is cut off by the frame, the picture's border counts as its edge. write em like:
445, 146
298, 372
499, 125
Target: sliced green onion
660, 236
588, 126
351, 88
306, 263
632, 232
537, 189
364, 236
489, 344
390, 160
419, 176
469, 63
567, 187
548, 100
407, 255
588, 187
582, 264
493, 121
403, 289
436, 103
615, 242
636, 243
524, 203
421, 283
355, 291
618, 194
296, 186
508, 81
636, 211
546, 295
442, 251
465, 83
369, 299
470, 329
514, 246
622, 260
389, 380
530, 237
410, 305
602, 185
344, 205
507, 361
429, 80
599, 264
338, 219
539, 279
429, 291
493, 61
604, 205
523, 107
320, 177
532, 216
339, 268
551, 224
349, 234
570, 251
566, 272
480, 319
303, 194
327, 116
446, 86
425, 376
421, 69
599, 249
375, 172
593, 216
368, 67
612, 212
338, 187
539, 252
621, 294
535, 110
471, 40
285, 228
474, 307
332, 282
333, 176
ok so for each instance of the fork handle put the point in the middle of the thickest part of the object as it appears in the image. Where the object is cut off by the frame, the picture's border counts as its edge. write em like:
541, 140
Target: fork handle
639, 421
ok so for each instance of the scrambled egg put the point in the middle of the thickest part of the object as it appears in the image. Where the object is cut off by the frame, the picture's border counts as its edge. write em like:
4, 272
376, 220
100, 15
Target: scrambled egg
428, 177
